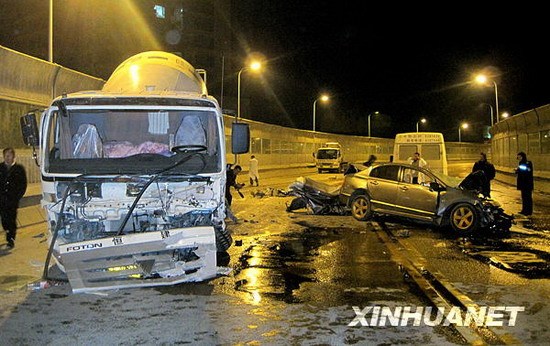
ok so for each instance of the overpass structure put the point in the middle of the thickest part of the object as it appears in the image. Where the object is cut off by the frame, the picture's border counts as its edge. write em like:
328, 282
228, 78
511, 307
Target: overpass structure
28, 83
529, 132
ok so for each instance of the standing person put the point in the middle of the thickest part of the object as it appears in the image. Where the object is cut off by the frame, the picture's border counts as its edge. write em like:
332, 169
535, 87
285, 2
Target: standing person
231, 181
525, 183
416, 161
13, 184
489, 171
253, 171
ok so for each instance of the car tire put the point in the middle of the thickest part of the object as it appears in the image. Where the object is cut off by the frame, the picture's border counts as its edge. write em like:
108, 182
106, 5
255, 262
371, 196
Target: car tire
361, 207
463, 218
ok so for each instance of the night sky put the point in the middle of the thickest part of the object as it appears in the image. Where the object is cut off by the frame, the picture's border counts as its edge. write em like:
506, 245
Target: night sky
404, 62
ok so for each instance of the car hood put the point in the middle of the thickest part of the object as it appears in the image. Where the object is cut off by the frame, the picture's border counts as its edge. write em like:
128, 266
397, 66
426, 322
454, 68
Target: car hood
473, 182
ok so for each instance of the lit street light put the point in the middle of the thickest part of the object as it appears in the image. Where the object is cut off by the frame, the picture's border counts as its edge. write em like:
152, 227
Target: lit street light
423, 121
482, 79
368, 119
255, 66
462, 126
323, 98
505, 115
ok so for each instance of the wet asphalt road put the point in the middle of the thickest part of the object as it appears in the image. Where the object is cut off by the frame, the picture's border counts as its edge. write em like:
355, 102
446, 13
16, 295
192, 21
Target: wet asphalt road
293, 279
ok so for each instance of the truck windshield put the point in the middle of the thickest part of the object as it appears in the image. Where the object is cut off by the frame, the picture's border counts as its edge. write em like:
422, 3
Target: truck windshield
132, 141
327, 154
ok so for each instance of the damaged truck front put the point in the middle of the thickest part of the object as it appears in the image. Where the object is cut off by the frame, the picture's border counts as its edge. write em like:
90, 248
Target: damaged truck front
133, 177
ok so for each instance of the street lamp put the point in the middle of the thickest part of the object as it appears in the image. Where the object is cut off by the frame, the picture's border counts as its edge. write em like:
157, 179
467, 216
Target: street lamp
255, 66
505, 115
492, 116
462, 126
323, 98
368, 119
423, 121
482, 79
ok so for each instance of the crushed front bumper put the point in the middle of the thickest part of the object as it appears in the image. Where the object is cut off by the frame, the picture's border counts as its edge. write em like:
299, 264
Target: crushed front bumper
140, 259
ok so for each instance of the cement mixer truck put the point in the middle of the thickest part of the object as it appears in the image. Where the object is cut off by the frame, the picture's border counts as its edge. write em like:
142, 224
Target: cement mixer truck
133, 177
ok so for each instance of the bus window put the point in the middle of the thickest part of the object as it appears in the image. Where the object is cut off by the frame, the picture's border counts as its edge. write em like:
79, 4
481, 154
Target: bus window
406, 151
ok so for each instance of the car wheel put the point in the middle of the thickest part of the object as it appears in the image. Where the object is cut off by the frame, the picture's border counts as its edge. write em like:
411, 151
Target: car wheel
463, 218
361, 207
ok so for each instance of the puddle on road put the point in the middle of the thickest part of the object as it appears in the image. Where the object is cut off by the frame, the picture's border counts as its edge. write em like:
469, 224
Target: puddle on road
277, 268
327, 266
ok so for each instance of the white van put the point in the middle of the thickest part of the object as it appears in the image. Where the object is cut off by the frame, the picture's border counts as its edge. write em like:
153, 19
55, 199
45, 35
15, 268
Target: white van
430, 145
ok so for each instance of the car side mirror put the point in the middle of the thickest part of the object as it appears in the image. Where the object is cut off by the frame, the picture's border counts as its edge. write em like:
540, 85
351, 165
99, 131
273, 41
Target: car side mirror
434, 185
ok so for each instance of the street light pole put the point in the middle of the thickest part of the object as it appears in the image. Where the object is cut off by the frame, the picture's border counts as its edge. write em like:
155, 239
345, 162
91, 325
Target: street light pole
492, 116
482, 79
50, 33
423, 120
496, 98
239, 93
464, 126
314, 104
255, 65
368, 119
323, 98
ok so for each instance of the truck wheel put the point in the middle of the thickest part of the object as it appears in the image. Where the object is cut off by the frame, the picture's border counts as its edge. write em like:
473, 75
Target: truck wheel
223, 239
319, 170
361, 207
463, 218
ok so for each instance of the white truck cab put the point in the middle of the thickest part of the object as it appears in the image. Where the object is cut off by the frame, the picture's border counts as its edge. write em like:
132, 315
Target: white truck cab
329, 157
133, 176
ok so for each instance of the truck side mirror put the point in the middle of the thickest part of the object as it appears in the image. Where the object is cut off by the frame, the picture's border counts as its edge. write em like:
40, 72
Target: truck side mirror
240, 138
29, 130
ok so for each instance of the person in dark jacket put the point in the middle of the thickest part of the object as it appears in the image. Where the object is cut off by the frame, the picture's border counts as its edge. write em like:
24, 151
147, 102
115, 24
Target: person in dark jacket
489, 172
231, 181
13, 184
525, 183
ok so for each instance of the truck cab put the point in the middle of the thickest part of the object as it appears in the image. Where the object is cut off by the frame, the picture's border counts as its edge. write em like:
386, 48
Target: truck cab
329, 158
133, 176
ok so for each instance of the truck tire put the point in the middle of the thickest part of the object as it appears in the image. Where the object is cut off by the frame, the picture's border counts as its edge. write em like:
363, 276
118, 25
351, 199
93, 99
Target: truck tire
223, 239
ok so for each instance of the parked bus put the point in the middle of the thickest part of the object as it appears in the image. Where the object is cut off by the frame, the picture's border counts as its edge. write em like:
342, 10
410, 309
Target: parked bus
430, 145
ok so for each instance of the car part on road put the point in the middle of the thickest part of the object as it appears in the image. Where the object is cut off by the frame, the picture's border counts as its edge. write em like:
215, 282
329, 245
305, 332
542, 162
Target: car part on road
318, 198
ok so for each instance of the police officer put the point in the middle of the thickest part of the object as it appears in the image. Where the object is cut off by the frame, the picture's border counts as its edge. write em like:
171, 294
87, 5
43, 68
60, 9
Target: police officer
525, 183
